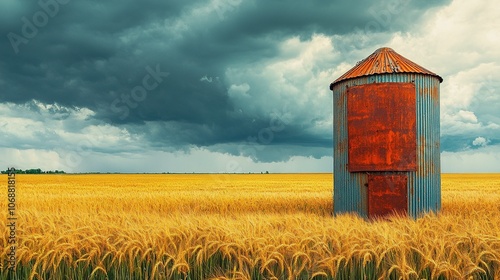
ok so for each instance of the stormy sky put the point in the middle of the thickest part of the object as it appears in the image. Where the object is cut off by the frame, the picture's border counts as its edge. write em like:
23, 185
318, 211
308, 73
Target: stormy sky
227, 85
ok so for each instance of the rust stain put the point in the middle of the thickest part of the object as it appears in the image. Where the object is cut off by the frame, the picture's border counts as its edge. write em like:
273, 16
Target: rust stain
381, 120
342, 146
384, 60
337, 126
435, 95
387, 194
339, 106
432, 167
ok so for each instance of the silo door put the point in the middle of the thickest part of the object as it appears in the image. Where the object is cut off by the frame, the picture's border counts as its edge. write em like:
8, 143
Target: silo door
387, 194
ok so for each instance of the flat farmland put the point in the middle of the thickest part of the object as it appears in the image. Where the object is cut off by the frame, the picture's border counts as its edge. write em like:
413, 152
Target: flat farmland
241, 226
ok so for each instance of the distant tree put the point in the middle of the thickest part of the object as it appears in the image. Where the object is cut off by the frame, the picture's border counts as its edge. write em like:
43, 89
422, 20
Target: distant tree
34, 171
267, 172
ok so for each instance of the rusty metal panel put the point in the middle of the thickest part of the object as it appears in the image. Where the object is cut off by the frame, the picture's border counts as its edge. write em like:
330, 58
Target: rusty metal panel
387, 194
381, 122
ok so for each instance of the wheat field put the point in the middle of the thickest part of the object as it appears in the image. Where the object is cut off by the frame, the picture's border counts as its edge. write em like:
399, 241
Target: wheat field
255, 226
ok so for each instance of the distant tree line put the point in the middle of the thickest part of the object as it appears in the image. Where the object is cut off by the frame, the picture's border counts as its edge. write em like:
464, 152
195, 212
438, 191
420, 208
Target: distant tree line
35, 171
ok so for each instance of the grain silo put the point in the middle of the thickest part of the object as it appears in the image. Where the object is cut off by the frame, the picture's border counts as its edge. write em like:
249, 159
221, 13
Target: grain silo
386, 137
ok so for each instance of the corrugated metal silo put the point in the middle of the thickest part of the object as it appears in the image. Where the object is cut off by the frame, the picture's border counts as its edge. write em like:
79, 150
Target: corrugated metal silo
386, 137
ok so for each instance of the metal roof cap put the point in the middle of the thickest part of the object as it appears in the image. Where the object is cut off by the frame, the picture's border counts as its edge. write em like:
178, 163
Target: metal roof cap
382, 61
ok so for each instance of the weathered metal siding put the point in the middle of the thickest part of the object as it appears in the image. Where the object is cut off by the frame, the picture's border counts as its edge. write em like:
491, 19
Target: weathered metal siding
424, 185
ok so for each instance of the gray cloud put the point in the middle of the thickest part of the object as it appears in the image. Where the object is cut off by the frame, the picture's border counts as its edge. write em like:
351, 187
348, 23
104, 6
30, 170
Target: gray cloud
234, 68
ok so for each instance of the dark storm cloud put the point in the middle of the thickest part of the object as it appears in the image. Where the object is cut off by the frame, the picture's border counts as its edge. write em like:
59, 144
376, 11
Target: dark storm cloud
139, 64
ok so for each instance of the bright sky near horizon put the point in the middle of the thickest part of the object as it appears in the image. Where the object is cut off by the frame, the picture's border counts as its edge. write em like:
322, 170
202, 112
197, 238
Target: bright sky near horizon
228, 85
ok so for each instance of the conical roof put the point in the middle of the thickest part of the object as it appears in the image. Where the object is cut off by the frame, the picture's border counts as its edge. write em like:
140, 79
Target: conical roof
382, 61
